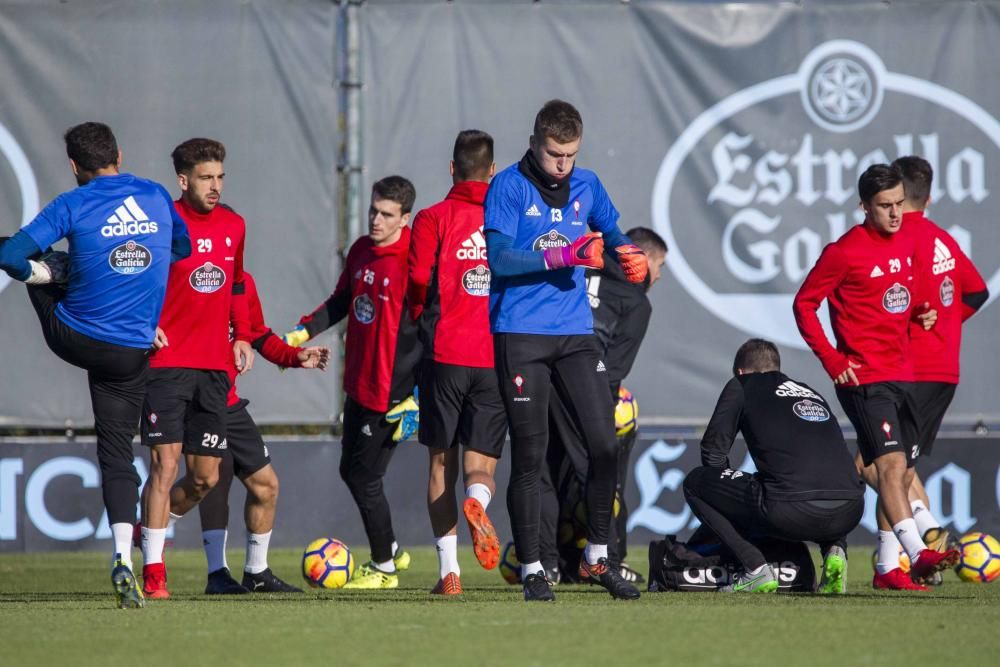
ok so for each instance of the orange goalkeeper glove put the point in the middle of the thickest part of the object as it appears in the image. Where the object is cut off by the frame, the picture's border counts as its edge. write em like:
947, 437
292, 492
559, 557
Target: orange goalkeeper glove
633, 261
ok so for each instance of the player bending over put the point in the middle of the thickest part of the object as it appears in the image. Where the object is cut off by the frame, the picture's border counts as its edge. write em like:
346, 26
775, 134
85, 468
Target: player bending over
246, 457
99, 305
380, 356
185, 407
537, 212
806, 486
621, 310
460, 404
866, 276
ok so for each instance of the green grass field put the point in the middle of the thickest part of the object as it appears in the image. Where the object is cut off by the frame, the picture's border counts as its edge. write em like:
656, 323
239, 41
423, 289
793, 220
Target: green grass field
57, 609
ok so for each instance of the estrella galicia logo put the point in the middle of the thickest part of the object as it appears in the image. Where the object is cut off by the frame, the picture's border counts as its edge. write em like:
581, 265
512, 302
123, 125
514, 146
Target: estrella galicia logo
896, 299
364, 309
810, 411
207, 278
782, 158
130, 258
477, 281
24, 207
947, 291
551, 239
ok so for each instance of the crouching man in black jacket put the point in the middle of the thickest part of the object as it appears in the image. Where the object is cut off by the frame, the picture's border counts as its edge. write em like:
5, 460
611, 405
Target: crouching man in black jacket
806, 487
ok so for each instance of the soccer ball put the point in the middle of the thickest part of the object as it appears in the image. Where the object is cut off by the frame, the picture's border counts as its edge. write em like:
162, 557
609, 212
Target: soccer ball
626, 412
510, 566
327, 563
980, 561
904, 560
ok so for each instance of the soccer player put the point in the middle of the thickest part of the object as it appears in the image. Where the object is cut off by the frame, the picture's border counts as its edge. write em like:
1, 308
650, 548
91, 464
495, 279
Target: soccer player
185, 406
99, 305
460, 402
380, 357
247, 458
866, 276
806, 486
621, 311
537, 211
951, 284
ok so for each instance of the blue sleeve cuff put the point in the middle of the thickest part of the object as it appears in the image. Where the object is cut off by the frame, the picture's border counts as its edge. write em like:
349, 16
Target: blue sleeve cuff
14, 254
616, 238
505, 260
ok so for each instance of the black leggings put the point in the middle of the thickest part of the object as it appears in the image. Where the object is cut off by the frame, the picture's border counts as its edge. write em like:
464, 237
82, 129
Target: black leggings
367, 449
732, 504
528, 368
117, 378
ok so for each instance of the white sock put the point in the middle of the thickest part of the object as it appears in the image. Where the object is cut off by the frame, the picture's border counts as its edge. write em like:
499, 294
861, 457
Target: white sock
480, 492
888, 552
447, 550
595, 552
925, 520
214, 542
395, 552
171, 520
533, 567
257, 544
152, 545
908, 535
121, 533
389, 567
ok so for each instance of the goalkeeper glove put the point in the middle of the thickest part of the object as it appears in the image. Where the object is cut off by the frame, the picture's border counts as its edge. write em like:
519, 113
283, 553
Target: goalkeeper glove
407, 414
296, 337
588, 251
633, 261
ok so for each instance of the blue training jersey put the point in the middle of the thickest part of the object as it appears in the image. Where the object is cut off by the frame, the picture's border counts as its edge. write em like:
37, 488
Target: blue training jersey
120, 230
548, 302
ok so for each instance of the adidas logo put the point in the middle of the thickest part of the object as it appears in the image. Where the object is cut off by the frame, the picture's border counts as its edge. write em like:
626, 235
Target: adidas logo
473, 247
792, 390
876, 272
600, 367
943, 261
128, 220
533, 212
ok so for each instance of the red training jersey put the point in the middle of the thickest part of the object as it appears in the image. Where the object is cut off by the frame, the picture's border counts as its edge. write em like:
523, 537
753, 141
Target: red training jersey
269, 345
205, 293
381, 350
867, 281
448, 236
944, 275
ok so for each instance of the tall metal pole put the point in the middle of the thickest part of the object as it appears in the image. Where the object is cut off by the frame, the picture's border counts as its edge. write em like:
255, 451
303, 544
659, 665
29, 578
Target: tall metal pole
350, 167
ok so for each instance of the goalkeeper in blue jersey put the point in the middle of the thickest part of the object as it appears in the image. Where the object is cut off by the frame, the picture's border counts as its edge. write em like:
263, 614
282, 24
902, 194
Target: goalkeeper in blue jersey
537, 216
99, 304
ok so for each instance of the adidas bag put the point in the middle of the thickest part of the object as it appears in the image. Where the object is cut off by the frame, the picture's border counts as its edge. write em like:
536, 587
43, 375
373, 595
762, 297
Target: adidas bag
675, 567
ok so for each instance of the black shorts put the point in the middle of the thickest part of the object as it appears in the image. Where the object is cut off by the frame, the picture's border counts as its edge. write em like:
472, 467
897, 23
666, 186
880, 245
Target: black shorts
186, 405
245, 443
930, 401
461, 405
883, 416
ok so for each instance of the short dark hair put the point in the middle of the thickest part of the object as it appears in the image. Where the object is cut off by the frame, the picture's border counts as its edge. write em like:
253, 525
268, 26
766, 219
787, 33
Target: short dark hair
757, 356
918, 175
195, 151
558, 120
473, 155
647, 239
877, 178
91, 146
397, 189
